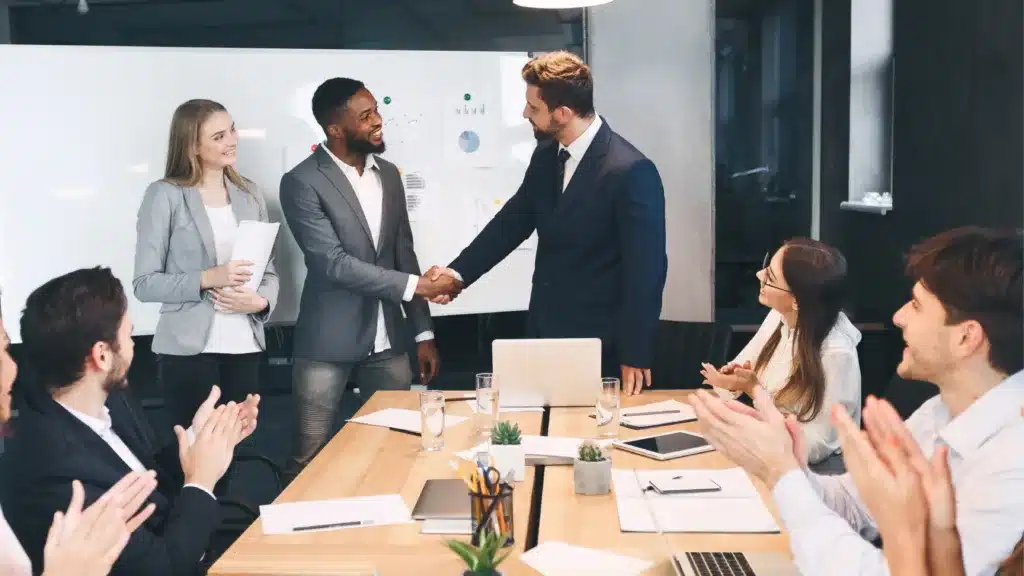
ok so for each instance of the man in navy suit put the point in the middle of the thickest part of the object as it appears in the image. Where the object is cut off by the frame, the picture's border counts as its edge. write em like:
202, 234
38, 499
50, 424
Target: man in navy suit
598, 207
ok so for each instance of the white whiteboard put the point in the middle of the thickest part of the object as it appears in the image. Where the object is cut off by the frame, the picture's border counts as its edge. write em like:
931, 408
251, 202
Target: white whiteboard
84, 130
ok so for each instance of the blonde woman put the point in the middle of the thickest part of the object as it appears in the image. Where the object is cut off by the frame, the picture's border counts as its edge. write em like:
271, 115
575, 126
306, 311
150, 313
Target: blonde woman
210, 329
80, 543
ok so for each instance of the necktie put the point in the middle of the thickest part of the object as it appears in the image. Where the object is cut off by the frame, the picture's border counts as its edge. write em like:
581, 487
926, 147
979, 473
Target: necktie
563, 157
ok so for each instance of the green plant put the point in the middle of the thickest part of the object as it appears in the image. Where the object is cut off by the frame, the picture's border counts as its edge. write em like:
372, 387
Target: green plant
506, 433
590, 452
482, 560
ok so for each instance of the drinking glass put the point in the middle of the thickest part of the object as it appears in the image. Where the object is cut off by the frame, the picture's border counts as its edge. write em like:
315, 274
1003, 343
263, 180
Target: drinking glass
486, 405
607, 410
432, 420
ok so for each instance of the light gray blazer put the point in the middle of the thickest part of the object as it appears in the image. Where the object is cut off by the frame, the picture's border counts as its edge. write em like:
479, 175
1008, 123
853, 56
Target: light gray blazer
346, 277
174, 246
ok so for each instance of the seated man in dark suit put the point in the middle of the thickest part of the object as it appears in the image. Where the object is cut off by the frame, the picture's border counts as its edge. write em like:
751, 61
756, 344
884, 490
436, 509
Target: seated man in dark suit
78, 421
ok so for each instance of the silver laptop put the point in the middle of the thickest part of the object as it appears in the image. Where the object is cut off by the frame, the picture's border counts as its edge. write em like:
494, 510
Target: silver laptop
547, 372
734, 564
442, 499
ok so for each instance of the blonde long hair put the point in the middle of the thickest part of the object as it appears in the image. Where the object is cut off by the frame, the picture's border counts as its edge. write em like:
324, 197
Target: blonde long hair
183, 167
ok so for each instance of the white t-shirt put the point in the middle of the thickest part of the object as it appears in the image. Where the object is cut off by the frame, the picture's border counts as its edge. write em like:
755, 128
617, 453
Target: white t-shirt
230, 333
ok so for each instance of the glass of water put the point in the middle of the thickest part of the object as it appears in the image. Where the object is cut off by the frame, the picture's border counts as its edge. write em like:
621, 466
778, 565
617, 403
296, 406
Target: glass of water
486, 404
432, 420
607, 409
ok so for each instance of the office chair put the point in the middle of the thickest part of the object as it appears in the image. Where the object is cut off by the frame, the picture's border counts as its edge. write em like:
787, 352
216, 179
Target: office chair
680, 347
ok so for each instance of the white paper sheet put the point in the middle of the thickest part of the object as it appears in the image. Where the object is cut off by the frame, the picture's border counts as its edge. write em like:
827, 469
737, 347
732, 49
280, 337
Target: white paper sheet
561, 559
551, 446
403, 419
254, 242
684, 413
738, 508
322, 514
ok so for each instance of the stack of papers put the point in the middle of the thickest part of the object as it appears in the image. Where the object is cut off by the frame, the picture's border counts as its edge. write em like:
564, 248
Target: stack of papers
324, 515
254, 241
561, 559
657, 414
402, 419
549, 446
736, 508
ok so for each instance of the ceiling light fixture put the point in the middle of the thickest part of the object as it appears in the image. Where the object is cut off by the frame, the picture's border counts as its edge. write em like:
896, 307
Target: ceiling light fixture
559, 4
83, 7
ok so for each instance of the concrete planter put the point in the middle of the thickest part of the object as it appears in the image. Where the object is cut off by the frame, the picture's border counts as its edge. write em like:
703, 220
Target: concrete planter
592, 478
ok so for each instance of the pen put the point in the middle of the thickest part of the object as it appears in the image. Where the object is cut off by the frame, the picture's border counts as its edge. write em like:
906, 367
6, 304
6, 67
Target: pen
654, 413
409, 432
333, 525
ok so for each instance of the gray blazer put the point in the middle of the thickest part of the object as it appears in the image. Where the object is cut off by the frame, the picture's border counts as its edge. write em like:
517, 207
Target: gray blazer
346, 277
174, 246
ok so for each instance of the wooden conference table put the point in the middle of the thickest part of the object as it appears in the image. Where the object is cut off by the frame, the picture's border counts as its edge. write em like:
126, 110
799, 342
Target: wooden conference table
368, 460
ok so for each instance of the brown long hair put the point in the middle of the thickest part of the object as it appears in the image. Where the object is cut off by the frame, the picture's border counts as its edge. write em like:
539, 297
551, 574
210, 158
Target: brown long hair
1014, 565
816, 275
183, 167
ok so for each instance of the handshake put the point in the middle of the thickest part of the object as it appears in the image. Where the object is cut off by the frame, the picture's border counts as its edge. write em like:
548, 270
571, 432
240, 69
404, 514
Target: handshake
439, 285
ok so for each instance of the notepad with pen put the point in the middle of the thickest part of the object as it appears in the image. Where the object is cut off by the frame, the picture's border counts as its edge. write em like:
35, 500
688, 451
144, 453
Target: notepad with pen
655, 414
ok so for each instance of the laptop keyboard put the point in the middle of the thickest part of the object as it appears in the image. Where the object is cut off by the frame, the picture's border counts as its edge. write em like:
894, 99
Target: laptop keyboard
719, 564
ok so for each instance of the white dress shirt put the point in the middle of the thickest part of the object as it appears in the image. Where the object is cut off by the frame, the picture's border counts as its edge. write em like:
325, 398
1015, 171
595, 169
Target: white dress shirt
370, 192
826, 520
842, 377
230, 332
578, 148
105, 430
13, 560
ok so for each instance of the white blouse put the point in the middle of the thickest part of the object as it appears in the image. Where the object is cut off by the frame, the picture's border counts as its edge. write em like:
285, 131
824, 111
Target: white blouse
230, 333
842, 376
13, 560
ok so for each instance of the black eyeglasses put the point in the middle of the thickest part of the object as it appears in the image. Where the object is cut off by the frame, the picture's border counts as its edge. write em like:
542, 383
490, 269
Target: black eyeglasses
764, 268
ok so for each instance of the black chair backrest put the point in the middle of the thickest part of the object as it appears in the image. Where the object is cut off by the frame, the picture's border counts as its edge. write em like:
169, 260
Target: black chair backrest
680, 347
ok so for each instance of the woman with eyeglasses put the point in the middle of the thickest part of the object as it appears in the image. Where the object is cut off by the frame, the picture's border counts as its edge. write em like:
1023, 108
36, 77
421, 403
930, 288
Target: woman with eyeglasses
805, 352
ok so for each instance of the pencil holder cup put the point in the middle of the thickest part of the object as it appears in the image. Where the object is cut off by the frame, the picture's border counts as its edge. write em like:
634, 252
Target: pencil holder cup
493, 514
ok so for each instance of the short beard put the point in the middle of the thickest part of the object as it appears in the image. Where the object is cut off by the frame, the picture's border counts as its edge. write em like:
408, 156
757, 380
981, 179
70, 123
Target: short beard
362, 146
117, 379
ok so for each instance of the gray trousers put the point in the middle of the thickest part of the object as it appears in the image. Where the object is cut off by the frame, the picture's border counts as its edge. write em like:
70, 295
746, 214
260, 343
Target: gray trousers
319, 386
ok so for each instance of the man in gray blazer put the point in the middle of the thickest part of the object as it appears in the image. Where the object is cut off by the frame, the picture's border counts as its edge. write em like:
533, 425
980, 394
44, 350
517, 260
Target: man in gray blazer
346, 208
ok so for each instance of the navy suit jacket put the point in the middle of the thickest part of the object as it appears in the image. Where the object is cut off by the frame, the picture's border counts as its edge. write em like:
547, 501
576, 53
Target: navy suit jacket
601, 261
49, 448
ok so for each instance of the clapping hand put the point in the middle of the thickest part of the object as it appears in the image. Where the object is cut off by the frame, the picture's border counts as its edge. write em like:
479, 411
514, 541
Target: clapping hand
248, 412
88, 543
205, 460
733, 377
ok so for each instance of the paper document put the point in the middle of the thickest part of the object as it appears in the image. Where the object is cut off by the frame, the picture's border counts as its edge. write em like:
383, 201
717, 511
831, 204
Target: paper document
657, 414
551, 446
323, 515
402, 419
736, 508
254, 242
561, 559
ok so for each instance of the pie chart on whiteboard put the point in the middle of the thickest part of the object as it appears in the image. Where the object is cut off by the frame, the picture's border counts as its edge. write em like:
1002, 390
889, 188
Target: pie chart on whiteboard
469, 141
